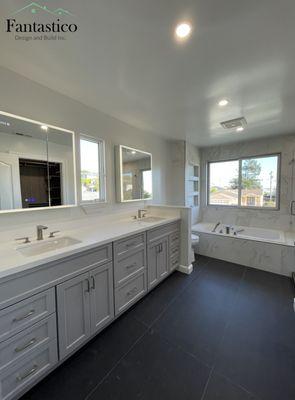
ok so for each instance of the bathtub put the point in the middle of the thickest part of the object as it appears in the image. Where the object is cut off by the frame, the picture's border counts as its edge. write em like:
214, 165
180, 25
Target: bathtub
267, 249
242, 232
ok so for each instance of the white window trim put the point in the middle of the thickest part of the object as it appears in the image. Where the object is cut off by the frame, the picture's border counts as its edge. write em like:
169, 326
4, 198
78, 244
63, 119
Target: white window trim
101, 168
277, 208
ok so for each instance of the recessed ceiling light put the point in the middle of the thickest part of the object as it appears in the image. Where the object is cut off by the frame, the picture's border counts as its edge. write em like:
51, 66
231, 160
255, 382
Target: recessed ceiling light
240, 129
183, 30
44, 127
223, 102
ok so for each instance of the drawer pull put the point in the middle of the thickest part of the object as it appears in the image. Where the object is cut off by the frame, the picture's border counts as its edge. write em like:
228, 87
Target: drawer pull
131, 292
29, 314
88, 286
131, 266
93, 283
131, 244
25, 346
27, 374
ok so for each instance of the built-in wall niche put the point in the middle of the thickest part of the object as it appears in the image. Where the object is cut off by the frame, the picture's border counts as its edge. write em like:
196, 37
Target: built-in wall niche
193, 185
37, 166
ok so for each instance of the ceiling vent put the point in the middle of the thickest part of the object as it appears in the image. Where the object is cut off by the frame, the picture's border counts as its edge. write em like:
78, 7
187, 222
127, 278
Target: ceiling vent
234, 123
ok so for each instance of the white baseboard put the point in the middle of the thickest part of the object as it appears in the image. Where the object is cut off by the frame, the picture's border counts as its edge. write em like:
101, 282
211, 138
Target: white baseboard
185, 269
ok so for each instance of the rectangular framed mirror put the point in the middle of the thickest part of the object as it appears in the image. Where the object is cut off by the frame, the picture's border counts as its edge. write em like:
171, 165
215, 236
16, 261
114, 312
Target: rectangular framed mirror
37, 165
134, 174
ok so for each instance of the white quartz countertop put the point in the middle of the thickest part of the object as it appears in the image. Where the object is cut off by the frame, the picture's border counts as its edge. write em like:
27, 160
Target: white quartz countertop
95, 232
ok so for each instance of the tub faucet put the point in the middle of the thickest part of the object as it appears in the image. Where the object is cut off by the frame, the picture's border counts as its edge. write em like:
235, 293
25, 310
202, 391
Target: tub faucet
215, 227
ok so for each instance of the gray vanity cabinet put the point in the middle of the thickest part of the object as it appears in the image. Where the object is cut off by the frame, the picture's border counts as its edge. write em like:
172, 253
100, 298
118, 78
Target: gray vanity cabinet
85, 306
163, 252
73, 304
101, 297
158, 261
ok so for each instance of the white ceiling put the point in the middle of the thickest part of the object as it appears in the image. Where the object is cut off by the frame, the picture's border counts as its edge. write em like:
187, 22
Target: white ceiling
125, 62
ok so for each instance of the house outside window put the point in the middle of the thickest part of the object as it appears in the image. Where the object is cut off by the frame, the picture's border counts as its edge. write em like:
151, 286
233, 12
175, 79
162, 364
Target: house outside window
248, 182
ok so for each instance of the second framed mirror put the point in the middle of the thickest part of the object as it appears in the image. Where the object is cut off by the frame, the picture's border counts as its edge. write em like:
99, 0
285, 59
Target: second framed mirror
134, 174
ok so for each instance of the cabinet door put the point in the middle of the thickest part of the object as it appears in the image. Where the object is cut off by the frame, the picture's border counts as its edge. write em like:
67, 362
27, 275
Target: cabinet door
73, 304
101, 297
163, 259
152, 264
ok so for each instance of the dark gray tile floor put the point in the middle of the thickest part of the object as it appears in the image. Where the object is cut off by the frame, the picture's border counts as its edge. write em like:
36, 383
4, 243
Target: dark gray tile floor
225, 332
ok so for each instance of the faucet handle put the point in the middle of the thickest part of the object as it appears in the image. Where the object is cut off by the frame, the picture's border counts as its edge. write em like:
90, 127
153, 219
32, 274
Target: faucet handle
52, 234
25, 239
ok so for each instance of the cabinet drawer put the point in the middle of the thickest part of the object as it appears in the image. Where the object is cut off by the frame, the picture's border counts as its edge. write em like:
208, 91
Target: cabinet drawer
174, 239
129, 266
127, 245
25, 313
162, 231
174, 252
21, 374
27, 341
174, 263
129, 293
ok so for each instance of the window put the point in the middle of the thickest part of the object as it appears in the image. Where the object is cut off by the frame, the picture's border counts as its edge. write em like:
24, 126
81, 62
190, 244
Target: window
223, 191
248, 182
92, 169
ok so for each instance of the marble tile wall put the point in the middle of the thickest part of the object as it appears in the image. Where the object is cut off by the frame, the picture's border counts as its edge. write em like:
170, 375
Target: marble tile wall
275, 219
269, 257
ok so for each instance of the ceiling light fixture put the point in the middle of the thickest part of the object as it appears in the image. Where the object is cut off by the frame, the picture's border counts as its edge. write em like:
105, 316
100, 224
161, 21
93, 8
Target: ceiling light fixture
240, 129
183, 30
44, 127
223, 103
133, 152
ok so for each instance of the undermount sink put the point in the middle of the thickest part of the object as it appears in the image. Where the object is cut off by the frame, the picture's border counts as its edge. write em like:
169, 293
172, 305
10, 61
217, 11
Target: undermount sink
49, 245
151, 219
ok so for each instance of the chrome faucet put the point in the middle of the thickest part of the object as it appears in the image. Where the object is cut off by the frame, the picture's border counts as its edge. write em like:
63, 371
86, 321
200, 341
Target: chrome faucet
141, 213
215, 227
40, 229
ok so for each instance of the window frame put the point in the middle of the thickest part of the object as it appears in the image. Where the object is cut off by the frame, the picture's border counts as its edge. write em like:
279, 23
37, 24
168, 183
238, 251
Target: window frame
240, 160
101, 170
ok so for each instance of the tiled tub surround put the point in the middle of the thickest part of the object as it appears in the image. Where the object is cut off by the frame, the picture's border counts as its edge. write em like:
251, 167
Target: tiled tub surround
52, 304
265, 249
269, 219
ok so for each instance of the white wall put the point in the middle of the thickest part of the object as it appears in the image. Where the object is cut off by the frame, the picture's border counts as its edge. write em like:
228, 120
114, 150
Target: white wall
23, 97
276, 219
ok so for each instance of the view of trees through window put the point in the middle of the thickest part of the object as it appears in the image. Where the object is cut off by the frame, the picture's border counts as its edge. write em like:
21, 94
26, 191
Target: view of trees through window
250, 182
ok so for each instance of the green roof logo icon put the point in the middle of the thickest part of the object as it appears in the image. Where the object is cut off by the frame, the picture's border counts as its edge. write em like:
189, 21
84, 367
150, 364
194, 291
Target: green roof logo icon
36, 8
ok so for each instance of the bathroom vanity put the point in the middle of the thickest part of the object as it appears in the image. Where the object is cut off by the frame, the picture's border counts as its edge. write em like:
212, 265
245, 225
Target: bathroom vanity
53, 302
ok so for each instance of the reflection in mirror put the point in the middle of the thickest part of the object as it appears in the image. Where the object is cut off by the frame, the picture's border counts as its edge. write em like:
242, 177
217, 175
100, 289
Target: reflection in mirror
135, 174
36, 165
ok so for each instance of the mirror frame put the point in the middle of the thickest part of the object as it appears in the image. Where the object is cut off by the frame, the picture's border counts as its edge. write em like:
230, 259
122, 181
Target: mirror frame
119, 173
16, 210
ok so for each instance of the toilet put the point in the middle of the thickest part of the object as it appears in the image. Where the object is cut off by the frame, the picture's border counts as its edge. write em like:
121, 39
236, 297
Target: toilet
194, 244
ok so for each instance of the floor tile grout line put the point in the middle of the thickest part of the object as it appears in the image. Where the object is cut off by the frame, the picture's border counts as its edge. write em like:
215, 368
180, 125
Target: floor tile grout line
238, 385
116, 364
221, 341
148, 328
207, 384
229, 318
